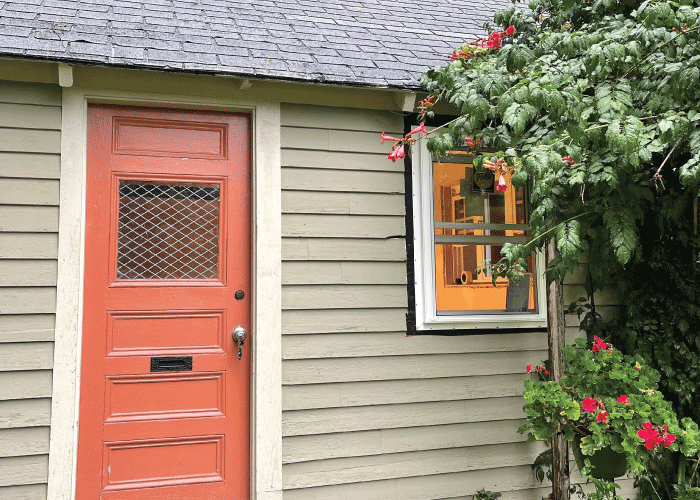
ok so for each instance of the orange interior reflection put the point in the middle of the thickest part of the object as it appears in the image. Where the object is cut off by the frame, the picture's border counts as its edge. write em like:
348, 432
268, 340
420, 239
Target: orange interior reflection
472, 222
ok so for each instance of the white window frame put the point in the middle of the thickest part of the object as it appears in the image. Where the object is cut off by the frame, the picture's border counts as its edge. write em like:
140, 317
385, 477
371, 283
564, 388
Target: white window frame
424, 263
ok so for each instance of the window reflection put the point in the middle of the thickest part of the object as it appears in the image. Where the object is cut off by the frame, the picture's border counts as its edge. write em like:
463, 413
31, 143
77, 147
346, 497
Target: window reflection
472, 222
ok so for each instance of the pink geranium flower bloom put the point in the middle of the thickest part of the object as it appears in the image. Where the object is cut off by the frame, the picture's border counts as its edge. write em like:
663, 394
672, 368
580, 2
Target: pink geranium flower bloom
589, 404
598, 344
669, 439
651, 437
623, 399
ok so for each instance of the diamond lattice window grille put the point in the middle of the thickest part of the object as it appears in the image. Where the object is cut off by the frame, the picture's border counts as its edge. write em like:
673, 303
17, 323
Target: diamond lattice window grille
168, 230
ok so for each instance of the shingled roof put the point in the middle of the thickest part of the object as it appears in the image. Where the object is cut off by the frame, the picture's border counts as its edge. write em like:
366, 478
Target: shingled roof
385, 43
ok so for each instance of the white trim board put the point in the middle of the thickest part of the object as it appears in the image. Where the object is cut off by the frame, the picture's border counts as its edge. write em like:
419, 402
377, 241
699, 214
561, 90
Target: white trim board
266, 381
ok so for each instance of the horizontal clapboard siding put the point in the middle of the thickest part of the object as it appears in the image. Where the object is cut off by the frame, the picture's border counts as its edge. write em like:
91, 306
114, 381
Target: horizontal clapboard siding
30, 143
340, 249
367, 411
396, 343
343, 226
342, 181
25, 492
24, 441
343, 296
338, 320
44, 191
426, 366
30, 469
374, 442
28, 219
357, 160
28, 272
30, 166
394, 416
606, 301
401, 391
29, 413
28, 300
346, 273
26, 328
28, 246
403, 465
25, 384
517, 480
305, 202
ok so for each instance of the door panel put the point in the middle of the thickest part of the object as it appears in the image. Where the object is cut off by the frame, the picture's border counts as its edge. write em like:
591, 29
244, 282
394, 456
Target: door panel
133, 398
164, 406
168, 331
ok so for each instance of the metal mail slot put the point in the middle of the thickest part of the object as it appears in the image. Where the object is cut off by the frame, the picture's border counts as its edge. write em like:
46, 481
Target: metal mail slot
171, 363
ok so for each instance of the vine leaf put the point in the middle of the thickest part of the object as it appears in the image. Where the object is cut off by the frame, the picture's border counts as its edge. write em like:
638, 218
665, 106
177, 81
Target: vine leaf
690, 173
623, 233
568, 236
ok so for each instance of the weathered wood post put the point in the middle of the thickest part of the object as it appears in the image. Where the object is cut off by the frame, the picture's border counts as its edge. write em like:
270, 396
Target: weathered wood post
556, 337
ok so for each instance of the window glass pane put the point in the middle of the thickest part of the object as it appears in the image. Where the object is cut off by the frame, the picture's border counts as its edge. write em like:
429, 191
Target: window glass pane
472, 221
168, 230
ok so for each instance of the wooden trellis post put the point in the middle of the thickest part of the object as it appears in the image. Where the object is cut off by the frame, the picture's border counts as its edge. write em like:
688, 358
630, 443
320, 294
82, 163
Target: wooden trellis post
556, 337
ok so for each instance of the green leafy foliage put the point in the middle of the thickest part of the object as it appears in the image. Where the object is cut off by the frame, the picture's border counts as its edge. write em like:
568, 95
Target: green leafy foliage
623, 233
615, 85
604, 399
568, 237
484, 494
661, 301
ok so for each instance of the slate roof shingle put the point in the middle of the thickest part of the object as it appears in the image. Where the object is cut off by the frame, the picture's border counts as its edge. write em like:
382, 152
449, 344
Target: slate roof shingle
381, 43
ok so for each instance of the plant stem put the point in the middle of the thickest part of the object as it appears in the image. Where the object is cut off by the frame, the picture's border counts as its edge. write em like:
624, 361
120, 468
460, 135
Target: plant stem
652, 487
443, 125
657, 175
634, 66
545, 62
554, 227
695, 469
606, 125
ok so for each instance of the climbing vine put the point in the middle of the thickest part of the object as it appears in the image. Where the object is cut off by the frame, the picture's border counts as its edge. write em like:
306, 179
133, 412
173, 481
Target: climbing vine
595, 105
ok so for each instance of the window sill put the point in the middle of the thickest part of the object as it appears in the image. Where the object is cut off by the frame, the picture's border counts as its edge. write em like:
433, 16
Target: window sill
501, 320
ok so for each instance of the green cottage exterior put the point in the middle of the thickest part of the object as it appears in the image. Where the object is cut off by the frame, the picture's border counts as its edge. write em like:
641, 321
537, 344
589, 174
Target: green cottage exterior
344, 404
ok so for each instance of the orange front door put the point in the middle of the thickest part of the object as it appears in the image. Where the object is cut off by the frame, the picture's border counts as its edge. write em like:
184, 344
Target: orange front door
164, 398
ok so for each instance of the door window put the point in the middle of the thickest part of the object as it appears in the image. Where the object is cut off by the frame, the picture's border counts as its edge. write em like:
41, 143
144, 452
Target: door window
168, 230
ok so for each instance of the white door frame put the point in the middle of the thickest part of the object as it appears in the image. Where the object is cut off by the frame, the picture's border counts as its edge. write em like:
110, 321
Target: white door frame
266, 363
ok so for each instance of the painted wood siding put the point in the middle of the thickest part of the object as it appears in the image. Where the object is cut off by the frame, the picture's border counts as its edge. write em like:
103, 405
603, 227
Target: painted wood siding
367, 411
30, 122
